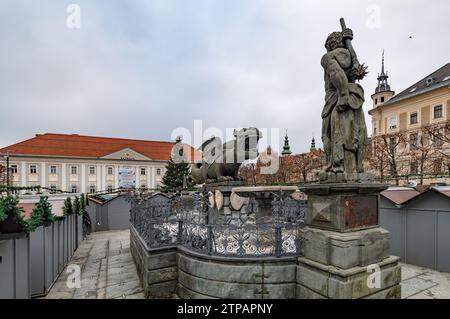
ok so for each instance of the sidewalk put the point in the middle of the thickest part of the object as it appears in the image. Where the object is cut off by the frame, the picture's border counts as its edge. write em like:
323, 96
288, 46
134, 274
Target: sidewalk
107, 269
423, 283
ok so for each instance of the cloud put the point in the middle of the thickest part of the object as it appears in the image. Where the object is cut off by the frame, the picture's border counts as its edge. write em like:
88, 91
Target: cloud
140, 69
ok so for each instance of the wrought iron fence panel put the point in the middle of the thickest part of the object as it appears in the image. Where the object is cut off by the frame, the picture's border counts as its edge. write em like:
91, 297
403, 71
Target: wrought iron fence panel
185, 220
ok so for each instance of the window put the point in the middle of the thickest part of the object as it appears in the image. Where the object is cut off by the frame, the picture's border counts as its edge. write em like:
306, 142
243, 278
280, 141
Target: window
74, 170
92, 189
143, 171
438, 112
413, 141
52, 169
413, 168
109, 188
74, 188
376, 101
33, 169
91, 170
393, 123
110, 171
158, 171
413, 118
382, 99
13, 169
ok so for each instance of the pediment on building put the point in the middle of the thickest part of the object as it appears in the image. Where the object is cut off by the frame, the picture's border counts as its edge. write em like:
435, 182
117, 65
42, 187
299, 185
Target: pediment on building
127, 154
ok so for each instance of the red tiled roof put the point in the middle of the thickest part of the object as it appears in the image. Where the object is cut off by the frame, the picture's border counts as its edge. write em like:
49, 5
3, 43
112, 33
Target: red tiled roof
74, 145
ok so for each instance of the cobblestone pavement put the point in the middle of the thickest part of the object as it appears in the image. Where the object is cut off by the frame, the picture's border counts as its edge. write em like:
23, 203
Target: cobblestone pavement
423, 283
107, 269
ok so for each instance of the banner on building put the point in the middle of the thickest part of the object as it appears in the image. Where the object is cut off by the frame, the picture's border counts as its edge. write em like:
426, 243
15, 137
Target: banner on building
127, 177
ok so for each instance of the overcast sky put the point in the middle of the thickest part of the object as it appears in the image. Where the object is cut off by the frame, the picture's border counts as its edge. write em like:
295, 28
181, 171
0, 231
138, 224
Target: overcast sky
140, 69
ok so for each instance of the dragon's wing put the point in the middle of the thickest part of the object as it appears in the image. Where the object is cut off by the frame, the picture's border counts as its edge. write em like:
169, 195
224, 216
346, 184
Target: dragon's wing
212, 149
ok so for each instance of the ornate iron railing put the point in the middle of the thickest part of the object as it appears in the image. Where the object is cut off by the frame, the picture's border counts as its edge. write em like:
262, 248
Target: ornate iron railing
165, 221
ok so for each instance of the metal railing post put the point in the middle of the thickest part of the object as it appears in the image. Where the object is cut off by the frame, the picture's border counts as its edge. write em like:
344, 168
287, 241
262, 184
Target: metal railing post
210, 240
278, 241
180, 232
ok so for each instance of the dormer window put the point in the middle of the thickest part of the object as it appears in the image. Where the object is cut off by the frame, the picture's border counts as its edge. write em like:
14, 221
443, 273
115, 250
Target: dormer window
430, 81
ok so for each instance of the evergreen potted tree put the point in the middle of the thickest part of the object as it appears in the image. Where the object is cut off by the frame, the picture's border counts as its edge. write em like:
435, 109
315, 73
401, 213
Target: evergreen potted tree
11, 217
68, 208
42, 214
76, 205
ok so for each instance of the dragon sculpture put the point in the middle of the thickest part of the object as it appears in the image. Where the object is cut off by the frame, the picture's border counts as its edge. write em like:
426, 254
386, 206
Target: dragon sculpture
221, 162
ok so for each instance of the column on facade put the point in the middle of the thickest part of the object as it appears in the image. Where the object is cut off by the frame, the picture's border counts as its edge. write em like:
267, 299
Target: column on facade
23, 174
149, 180
43, 180
98, 178
116, 176
153, 177
64, 177
83, 178
103, 181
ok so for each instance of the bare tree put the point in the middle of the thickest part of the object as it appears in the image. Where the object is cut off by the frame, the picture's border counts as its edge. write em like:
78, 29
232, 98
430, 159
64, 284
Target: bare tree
377, 158
440, 136
393, 146
421, 150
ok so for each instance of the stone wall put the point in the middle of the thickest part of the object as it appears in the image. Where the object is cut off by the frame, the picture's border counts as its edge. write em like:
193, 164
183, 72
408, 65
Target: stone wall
157, 269
179, 271
212, 277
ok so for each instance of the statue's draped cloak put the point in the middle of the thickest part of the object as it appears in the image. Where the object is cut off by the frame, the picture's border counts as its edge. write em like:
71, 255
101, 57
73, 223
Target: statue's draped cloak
344, 132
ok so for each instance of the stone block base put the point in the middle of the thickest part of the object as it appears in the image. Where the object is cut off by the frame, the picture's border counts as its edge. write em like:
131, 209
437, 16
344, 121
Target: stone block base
157, 270
346, 250
316, 280
206, 277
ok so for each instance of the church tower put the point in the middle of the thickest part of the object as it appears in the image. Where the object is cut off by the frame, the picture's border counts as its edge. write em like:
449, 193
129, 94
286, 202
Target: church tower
383, 92
313, 145
286, 147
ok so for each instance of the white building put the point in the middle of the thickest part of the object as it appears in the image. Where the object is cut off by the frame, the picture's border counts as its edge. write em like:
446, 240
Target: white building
87, 164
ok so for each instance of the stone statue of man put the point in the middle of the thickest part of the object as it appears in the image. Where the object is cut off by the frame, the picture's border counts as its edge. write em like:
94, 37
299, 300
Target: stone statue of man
344, 132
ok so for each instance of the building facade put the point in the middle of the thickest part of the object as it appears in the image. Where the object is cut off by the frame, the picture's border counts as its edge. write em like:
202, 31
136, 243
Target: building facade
87, 164
410, 137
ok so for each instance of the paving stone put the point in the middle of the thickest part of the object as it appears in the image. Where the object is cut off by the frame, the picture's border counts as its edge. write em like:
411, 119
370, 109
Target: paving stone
126, 288
108, 269
414, 286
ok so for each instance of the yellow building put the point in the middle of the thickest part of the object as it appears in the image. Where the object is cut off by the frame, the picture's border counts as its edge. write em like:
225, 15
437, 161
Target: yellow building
410, 129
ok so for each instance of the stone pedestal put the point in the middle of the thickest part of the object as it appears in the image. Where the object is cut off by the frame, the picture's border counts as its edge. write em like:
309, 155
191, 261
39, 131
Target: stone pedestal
344, 253
220, 197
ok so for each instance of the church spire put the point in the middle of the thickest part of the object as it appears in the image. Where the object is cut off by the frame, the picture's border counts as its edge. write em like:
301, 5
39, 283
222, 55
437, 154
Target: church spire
286, 147
383, 84
313, 144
